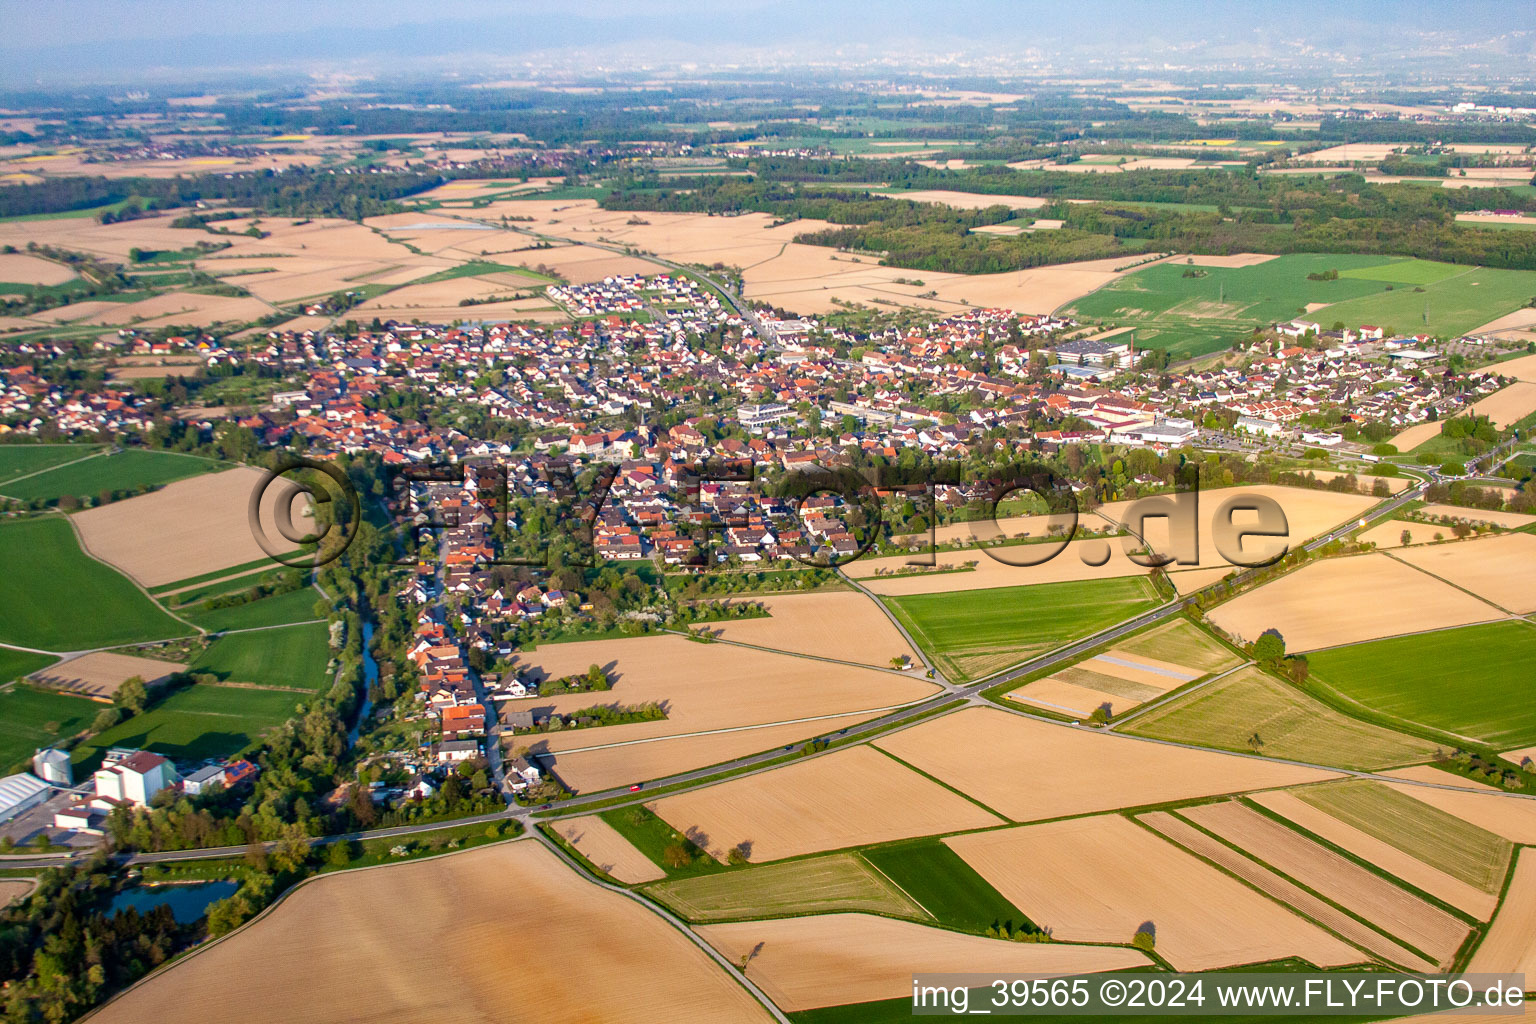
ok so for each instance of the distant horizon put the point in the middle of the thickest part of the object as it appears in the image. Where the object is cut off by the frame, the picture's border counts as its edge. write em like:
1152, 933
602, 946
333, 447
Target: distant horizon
95, 42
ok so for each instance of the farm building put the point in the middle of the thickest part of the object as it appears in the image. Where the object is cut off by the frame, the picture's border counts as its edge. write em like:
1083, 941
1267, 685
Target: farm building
20, 793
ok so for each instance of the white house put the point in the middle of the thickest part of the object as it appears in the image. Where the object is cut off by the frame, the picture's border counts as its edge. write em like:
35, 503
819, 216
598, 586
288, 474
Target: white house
1254, 425
133, 776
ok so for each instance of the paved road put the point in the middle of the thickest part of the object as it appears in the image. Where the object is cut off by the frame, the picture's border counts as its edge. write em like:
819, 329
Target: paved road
763, 760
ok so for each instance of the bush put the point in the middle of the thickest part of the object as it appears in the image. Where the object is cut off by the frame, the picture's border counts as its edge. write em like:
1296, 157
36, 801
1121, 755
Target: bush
1384, 449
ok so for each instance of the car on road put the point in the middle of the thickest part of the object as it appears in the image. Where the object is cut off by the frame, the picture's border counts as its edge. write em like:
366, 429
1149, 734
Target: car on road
636, 787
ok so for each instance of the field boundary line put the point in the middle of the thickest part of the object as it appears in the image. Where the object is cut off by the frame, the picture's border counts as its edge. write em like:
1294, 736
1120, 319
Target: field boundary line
1448, 583
698, 940
894, 884
269, 908
80, 539
737, 728
49, 469
779, 650
1173, 695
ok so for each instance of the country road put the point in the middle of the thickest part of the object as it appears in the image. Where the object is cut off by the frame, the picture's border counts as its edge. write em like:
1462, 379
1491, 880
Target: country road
969, 693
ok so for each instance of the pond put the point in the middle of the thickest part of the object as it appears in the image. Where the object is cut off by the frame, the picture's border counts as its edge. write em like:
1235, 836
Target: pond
187, 902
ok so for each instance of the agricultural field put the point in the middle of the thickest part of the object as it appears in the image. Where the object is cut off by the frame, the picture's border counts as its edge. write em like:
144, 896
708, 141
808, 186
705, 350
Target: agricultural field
1131, 673
1072, 771
1343, 601
1405, 294
851, 797
1252, 710
17, 460
118, 471
840, 883
31, 718
1488, 809
100, 673
844, 625
593, 764
1182, 643
57, 598
607, 849
1406, 917
1437, 852
188, 528
1510, 944
970, 634
945, 885
291, 656
708, 686
199, 721
1099, 879
1498, 569
833, 959
15, 664
1170, 826
331, 944
1454, 681
278, 610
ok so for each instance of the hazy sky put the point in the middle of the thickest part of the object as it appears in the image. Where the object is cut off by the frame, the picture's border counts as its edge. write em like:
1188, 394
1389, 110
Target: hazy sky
122, 39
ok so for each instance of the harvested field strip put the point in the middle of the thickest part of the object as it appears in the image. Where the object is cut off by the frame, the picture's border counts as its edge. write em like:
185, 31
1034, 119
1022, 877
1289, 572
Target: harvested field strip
1497, 569
989, 754
228, 585
1406, 917
1176, 673
1077, 675
1099, 879
832, 959
1060, 697
1510, 944
1379, 854
324, 951
1502, 815
851, 797
1345, 600
217, 574
946, 886
822, 885
601, 844
1283, 890
1230, 712
1460, 849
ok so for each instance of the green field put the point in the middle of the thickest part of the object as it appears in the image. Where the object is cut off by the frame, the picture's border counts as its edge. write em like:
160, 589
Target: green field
1160, 298
652, 836
1182, 643
945, 885
21, 459
1290, 724
209, 577
294, 606
1467, 682
294, 656
1441, 840
55, 597
31, 718
125, 470
841, 883
971, 633
15, 664
197, 722
230, 586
